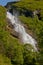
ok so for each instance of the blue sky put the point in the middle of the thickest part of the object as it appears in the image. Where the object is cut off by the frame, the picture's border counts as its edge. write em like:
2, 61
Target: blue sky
4, 2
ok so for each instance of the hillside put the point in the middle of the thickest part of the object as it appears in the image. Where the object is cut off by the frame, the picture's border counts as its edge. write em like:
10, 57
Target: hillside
12, 51
33, 22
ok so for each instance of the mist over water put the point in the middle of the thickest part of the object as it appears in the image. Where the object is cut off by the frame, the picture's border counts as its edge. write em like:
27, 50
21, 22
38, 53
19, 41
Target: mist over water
24, 37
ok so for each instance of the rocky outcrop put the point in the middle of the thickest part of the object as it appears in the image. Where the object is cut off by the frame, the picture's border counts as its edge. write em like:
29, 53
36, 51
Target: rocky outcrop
11, 30
17, 12
37, 12
14, 10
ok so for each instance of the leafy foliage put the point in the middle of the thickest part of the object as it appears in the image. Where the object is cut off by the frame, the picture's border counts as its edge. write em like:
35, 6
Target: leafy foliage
30, 57
4, 60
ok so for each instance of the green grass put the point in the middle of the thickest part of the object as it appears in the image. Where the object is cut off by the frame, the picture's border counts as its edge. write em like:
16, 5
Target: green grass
32, 5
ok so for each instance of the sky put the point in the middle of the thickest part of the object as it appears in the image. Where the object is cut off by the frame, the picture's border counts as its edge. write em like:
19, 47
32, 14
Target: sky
4, 2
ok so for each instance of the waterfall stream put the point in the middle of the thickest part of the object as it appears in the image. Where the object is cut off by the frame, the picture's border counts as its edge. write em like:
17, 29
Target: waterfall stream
25, 37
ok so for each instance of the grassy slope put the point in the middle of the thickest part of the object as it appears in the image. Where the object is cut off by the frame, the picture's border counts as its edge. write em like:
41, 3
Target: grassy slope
9, 46
34, 24
30, 5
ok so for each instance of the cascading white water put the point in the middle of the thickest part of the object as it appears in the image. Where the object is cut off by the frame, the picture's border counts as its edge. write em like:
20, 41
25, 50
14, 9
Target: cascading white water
25, 38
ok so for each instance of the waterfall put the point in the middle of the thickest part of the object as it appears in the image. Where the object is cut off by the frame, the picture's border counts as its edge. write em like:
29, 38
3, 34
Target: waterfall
25, 37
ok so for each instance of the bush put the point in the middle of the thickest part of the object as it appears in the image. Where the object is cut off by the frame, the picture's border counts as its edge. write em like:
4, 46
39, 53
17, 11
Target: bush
4, 60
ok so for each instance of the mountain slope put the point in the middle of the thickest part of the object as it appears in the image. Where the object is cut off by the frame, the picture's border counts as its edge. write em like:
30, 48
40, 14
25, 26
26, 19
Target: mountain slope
11, 47
34, 23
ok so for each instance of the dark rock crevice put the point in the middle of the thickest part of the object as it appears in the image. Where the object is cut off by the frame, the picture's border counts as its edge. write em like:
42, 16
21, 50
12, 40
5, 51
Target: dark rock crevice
22, 11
